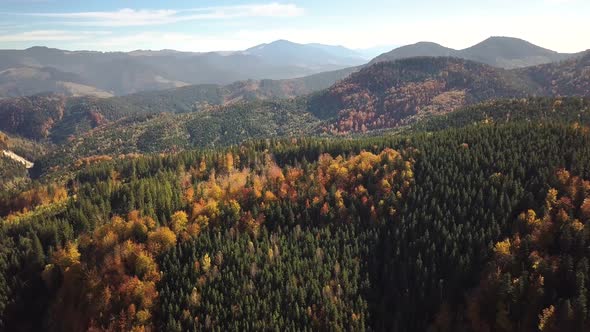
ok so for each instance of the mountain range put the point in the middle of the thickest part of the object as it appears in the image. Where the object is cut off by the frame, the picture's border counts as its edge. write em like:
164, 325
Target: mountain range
41, 69
83, 73
503, 52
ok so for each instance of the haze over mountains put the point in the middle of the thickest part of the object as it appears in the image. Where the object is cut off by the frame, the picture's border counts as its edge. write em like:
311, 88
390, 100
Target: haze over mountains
39, 69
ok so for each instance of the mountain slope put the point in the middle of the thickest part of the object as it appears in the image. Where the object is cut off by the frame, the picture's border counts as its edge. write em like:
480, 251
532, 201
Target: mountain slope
566, 78
566, 110
31, 117
24, 81
217, 126
16, 155
34, 117
389, 94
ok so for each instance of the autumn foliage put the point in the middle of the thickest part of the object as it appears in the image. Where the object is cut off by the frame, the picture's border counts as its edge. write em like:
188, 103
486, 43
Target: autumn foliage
32, 198
109, 276
390, 94
536, 280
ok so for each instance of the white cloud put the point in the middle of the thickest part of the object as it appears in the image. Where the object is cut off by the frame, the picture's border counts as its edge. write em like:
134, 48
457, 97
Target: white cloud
155, 40
144, 17
560, 32
560, 1
51, 35
453, 32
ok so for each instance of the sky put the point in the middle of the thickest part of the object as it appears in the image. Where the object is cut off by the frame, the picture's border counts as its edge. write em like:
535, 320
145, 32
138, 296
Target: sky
224, 25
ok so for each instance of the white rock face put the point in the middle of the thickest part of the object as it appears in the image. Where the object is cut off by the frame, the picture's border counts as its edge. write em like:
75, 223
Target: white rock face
17, 158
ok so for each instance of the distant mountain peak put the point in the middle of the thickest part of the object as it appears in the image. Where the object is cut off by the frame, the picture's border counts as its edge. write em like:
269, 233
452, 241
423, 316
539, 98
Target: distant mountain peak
504, 38
38, 48
425, 43
422, 48
509, 42
310, 54
499, 51
276, 43
283, 41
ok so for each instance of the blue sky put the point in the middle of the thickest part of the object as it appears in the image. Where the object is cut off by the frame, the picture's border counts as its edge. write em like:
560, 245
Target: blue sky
207, 25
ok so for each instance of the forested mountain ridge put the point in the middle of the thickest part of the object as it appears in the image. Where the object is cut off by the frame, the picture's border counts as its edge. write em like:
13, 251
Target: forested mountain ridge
217, 127
388, 94
31, 117
379, 96
570, 77
34, 116
235, 124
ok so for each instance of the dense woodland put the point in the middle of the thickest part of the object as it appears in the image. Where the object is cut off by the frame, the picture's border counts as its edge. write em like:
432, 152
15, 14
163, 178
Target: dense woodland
382, 233
468, 214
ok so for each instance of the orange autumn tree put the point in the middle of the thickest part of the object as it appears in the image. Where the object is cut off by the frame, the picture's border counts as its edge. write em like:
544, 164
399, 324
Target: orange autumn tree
32, 198
3, 141
329, 187
109, 276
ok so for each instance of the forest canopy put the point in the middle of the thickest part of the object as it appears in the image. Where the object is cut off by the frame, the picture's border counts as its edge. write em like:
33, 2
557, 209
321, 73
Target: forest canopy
396, 232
